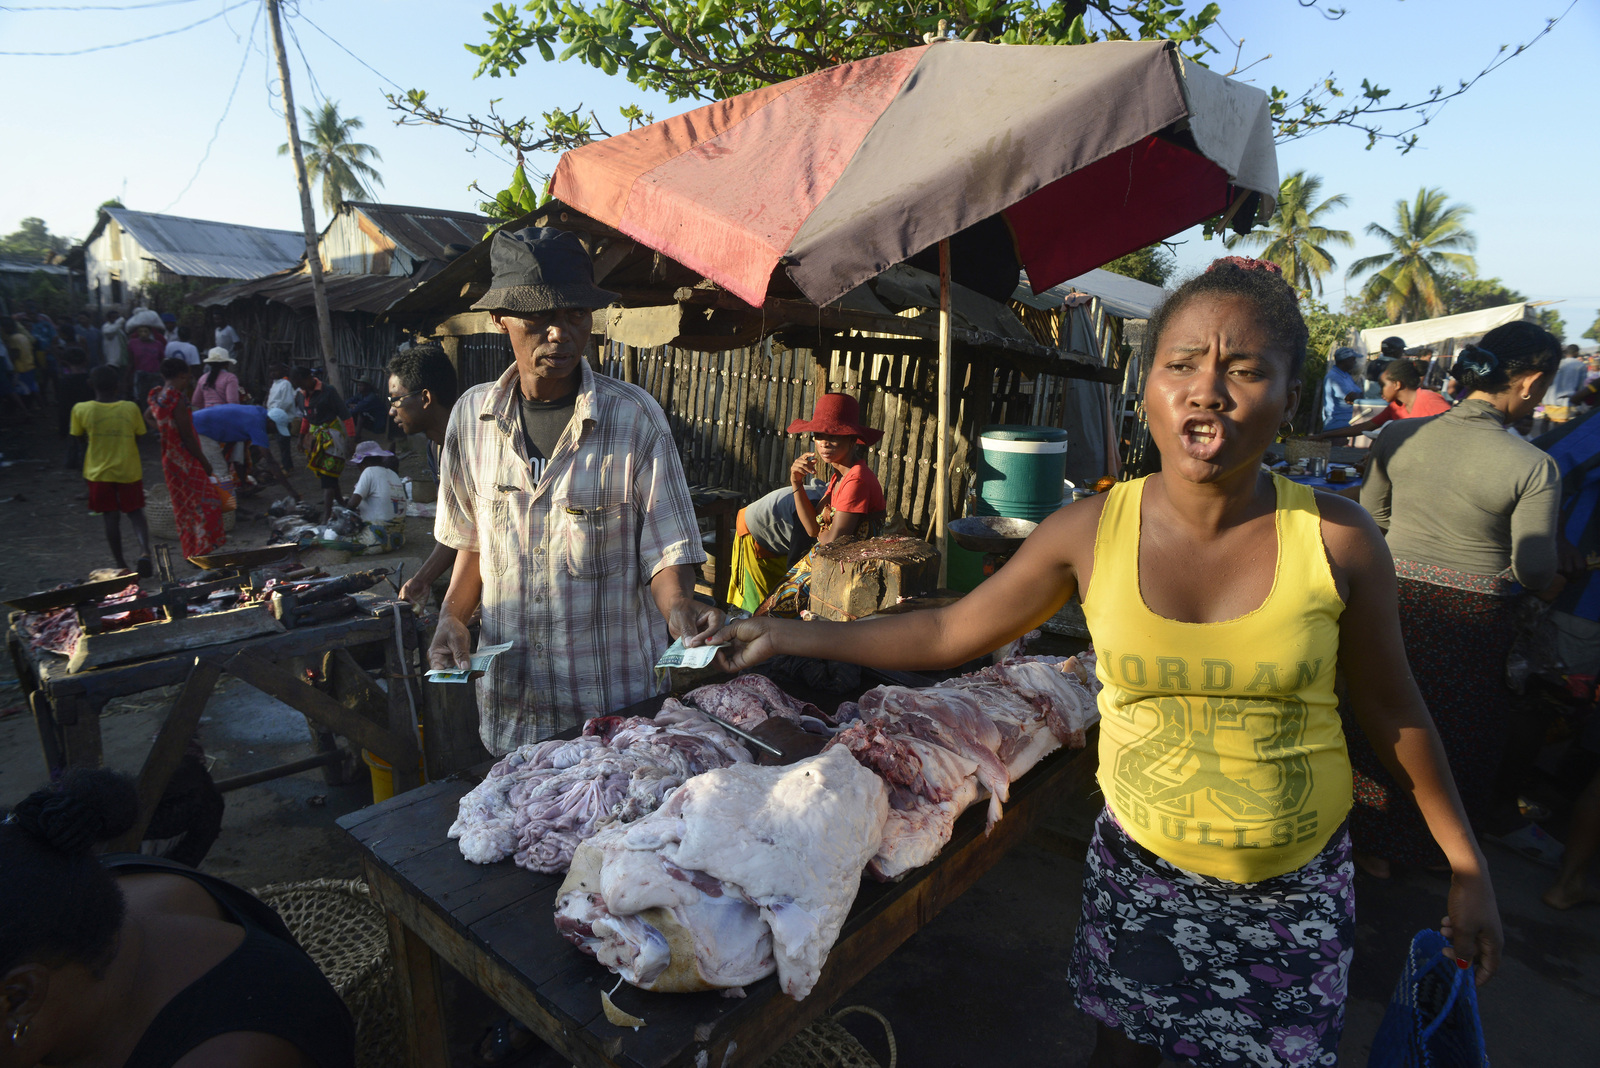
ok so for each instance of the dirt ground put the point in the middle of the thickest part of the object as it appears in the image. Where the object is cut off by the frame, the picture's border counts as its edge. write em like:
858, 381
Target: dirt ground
983, 984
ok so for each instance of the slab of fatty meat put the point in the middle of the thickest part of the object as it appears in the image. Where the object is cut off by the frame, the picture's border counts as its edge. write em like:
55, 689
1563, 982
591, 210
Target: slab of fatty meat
744, 870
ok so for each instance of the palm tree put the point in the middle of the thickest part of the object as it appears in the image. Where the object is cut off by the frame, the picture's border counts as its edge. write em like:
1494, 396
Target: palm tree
1430, 236
1294, 237
339, 163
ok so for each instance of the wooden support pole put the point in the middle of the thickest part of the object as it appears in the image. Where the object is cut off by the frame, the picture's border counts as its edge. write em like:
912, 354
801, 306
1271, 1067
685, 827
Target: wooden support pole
941, 474
308, 218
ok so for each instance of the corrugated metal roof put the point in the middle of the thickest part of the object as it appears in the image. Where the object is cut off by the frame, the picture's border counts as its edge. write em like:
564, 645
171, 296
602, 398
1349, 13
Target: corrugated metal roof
370, 293
203, 248
426, 233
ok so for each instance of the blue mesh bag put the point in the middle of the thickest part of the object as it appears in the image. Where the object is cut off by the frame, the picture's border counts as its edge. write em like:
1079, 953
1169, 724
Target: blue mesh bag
1432, 1019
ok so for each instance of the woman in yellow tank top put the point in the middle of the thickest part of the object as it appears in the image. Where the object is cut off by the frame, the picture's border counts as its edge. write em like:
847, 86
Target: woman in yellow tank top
1218, 908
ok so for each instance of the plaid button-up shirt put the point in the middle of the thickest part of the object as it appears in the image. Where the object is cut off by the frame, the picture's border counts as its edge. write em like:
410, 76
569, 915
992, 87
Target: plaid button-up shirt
566, 563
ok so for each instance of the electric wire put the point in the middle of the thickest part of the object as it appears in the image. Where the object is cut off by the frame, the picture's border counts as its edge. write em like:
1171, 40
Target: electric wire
249, 46
94, 7
476, 142
137, 40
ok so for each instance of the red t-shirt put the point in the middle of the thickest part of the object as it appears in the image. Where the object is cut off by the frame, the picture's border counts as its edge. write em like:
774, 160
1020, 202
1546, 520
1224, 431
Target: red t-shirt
857, 490
1427, 402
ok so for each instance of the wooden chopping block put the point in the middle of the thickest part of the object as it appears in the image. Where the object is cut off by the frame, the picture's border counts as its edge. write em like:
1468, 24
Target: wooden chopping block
856, 578
150, 640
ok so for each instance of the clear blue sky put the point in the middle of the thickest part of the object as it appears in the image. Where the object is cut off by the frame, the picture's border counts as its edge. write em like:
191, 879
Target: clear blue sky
133, 122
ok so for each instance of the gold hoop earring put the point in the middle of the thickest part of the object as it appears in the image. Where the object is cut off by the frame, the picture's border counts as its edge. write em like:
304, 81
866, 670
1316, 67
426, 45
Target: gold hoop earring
1527, 396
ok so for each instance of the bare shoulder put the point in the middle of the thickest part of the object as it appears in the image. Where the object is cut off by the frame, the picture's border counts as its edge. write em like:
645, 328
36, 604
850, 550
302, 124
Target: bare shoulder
1349, 534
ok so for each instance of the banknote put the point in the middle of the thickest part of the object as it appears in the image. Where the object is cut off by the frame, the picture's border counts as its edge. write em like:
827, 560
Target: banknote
480, 665
679, 656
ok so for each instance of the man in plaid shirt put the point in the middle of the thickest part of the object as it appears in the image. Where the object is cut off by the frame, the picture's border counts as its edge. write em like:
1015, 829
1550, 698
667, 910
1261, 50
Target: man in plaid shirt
562, 494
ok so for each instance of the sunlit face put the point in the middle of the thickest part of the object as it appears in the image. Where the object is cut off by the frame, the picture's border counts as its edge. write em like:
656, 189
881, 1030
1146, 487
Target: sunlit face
1218, 390
1391, 389
832, 449
548, 344
405, 407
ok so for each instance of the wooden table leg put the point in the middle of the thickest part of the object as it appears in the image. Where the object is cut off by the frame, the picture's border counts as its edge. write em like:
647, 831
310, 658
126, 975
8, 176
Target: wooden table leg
417, 985
49, 736
405, 706
162, 762
78, 722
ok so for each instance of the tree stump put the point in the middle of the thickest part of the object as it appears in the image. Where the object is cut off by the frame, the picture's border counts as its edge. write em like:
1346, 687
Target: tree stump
856, 578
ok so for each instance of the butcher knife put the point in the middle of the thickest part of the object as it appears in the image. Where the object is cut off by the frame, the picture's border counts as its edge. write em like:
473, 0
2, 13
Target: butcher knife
746, 735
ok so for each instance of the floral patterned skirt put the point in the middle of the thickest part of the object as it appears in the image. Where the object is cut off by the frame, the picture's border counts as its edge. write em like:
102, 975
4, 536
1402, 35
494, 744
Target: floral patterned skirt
1214, 972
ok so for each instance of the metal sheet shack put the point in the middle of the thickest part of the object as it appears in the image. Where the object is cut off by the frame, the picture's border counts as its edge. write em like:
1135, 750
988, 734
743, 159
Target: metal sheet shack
731, 377
129, 250
372, 255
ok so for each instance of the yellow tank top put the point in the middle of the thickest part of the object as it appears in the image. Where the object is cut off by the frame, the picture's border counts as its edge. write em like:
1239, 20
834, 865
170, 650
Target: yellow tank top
1221, 749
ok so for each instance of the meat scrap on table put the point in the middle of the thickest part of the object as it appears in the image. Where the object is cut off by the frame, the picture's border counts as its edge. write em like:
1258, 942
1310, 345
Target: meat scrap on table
745, 870
942, 748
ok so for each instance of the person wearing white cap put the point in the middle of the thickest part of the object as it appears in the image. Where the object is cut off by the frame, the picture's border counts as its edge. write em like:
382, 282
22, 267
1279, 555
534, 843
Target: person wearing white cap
219, 385
380, 495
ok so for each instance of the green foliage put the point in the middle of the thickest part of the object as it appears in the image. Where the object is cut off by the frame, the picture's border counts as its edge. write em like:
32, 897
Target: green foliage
1593, 333
1153, 264
1295, 238
714, 49
114, 202
33, 242
513, 202
333, 159
48, 292
1429, 238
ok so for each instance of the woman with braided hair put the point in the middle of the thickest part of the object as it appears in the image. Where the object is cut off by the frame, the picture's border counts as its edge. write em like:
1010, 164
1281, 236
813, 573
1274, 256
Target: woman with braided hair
144, 963
1218, 902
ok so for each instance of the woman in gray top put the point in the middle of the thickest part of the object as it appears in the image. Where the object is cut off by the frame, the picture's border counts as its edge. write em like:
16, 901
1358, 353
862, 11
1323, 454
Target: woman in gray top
1470, 515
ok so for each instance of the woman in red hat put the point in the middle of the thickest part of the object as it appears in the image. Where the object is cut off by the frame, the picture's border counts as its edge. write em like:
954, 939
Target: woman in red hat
852, 506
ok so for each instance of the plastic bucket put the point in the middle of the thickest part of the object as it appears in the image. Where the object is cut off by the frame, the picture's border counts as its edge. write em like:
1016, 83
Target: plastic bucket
382, 773
1020, 471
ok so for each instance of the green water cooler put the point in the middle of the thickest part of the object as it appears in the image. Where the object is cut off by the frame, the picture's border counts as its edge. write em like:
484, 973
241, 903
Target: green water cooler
1020, 470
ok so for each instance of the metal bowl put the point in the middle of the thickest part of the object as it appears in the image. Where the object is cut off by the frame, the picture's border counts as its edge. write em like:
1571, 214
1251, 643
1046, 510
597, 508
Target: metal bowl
990, 533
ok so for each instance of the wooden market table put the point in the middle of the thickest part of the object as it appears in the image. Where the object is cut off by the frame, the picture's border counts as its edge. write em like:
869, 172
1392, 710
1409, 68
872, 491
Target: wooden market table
382, 719
494, 925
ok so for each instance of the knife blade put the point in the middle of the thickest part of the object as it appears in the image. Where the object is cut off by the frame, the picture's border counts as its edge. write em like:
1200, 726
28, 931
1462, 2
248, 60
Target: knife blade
746, 735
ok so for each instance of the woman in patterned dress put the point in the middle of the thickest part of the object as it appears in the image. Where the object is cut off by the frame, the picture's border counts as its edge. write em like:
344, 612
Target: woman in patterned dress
1218, 905
196, 509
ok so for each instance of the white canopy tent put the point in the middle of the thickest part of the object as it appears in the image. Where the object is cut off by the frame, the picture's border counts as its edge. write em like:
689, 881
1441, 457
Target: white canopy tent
1468, 326
1124, 297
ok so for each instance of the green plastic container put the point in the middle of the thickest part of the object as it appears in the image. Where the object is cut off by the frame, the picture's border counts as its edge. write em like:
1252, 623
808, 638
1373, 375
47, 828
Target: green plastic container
1020, 471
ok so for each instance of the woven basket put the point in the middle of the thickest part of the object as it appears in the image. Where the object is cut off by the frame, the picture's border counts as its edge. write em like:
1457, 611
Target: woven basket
343, 929
825, 1044
1306, 449
159, 518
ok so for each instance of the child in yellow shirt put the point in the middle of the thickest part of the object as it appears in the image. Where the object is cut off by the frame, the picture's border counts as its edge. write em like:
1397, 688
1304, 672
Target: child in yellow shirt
111, 462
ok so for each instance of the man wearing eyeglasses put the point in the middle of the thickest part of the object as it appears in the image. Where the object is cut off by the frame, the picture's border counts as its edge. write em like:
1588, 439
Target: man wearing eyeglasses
562, 493
422, 390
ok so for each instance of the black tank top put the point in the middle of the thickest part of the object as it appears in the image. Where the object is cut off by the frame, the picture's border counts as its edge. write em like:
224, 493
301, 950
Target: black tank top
267, 985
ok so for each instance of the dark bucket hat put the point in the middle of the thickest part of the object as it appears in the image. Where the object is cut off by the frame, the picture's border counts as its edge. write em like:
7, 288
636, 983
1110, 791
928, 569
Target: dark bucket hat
540, 269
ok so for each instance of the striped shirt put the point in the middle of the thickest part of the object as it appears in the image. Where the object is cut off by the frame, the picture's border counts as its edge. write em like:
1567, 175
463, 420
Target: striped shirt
566, 562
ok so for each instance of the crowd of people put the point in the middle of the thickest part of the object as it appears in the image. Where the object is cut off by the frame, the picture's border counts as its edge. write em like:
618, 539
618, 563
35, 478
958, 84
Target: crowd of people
1321, 682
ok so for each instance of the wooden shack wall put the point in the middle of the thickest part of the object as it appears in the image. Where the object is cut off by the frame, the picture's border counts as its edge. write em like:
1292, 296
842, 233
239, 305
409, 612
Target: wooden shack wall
273, 333
730, 413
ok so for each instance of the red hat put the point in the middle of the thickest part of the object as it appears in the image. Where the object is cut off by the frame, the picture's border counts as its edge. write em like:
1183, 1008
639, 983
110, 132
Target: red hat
836, 415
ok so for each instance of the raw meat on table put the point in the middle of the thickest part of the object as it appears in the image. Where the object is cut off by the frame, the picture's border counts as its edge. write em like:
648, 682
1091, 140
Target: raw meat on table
539, 802
743, 870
